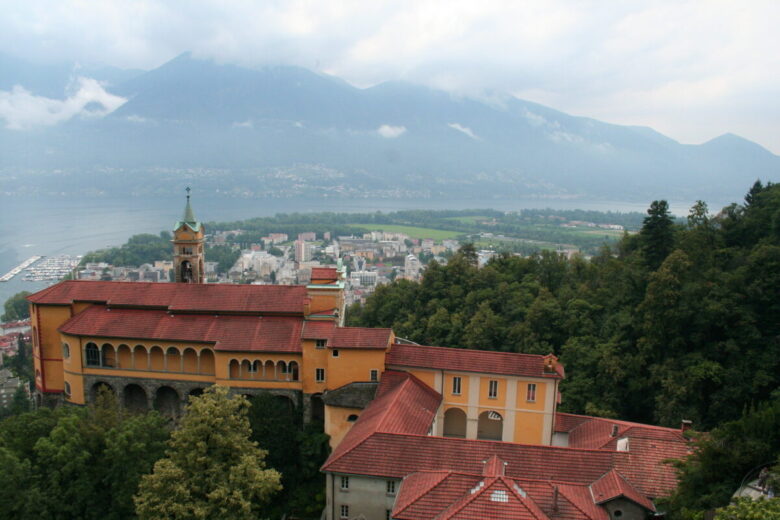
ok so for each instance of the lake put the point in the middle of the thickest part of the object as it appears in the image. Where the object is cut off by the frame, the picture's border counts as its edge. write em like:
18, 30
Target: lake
59, 225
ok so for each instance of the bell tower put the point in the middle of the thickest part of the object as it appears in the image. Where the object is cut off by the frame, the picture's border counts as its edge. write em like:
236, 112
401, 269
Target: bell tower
188, 243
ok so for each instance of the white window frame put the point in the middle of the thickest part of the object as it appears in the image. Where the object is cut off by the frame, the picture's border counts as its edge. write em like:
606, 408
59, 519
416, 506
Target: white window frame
344, 512
456, 385
319, 375
391, 487
493, 389
530, 394
344, 483
320, 343
373, 375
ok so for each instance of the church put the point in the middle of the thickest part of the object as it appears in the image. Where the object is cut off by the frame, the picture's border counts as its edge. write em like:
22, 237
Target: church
417, 432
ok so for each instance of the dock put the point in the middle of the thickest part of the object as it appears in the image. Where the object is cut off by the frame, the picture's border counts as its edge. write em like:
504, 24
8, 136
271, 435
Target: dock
19, 268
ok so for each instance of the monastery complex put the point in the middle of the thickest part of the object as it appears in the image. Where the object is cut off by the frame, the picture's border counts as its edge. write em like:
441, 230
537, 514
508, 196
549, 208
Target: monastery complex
417, 432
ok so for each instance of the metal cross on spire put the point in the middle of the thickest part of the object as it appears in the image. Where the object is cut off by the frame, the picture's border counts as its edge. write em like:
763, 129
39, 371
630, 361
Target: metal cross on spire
188, 190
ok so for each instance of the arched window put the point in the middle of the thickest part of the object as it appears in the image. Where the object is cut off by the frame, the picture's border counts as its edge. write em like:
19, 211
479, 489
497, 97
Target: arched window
93, 355
67, 389
293, 370
65, 351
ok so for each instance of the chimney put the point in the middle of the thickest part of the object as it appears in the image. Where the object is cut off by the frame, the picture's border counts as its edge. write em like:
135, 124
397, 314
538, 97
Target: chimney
614, 431
550, 362
686, 425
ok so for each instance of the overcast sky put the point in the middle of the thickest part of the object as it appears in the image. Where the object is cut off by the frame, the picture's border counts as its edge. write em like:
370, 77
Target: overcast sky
690, 69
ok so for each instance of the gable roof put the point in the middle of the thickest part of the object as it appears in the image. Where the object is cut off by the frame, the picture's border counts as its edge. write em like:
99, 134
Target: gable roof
227, 332
403, 403
179, 297
445, 494
466, 360
612, 485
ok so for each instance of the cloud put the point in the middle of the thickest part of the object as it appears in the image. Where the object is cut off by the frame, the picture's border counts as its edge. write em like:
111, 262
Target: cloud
682, 66
391, 132
464, 129
133, 118
244, 124
20, 109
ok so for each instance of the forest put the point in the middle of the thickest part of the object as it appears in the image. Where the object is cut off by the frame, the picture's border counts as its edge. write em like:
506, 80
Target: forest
679, 321
228, 457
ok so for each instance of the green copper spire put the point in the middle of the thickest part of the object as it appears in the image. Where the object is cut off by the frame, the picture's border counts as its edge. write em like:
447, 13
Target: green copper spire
189, 215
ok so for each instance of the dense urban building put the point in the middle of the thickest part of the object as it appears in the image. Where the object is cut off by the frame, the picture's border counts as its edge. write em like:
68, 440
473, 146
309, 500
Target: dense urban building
417, 432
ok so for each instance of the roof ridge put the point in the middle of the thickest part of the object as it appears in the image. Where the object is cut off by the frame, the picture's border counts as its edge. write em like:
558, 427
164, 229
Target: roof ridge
465, 500
540, 446
574, 502
419, 495
628, 424
496, 352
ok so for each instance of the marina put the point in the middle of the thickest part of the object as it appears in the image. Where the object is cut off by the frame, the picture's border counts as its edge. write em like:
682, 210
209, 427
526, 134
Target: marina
52, 268
19, 268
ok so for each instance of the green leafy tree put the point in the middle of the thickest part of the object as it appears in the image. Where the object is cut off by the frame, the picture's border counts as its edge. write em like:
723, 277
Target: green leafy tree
212, 470
746, 509
17, 307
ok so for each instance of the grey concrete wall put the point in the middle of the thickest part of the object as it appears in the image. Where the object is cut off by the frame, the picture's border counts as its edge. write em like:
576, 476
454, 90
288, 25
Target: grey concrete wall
366, 497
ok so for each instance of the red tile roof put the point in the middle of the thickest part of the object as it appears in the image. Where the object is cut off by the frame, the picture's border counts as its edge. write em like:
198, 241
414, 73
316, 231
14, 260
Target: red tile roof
315, 329
211, 298
324, 273
429, 494
402, 403
612, 485
357, 337
347, 337
597, 432
466, 360
230, 333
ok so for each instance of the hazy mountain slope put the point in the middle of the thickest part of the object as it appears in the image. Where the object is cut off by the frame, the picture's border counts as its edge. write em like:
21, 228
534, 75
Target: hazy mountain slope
192, 113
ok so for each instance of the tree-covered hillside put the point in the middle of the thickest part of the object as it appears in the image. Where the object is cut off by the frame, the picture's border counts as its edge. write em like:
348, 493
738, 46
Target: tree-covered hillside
676, 322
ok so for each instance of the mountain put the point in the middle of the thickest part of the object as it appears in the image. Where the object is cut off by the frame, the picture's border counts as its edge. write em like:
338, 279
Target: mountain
282, 131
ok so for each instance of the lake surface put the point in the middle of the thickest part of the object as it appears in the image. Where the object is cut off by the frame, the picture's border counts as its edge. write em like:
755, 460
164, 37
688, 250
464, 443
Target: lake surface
59, 225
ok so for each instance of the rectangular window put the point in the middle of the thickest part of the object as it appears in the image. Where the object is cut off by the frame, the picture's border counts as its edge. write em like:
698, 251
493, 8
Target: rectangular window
374, 376
344, 511
319, 375
321, 343
335, 353
67, 389
456, 385
344, 483
531, 397
387, 514
391, 487
493, 389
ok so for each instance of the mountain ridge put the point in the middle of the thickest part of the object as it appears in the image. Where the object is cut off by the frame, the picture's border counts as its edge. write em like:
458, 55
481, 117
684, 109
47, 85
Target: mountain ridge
191, 113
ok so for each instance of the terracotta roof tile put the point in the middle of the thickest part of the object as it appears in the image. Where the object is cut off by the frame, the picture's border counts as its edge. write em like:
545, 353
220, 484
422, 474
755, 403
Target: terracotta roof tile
403, 404
358, 337
317, 329
211, 298
231, 333
324, 273
444, 494
466, 360
612, 485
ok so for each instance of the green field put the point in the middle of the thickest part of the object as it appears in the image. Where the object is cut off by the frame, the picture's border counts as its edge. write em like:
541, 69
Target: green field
412, 231
469, 220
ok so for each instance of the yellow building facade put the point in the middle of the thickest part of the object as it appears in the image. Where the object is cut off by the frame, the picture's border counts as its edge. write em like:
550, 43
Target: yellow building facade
156, 344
